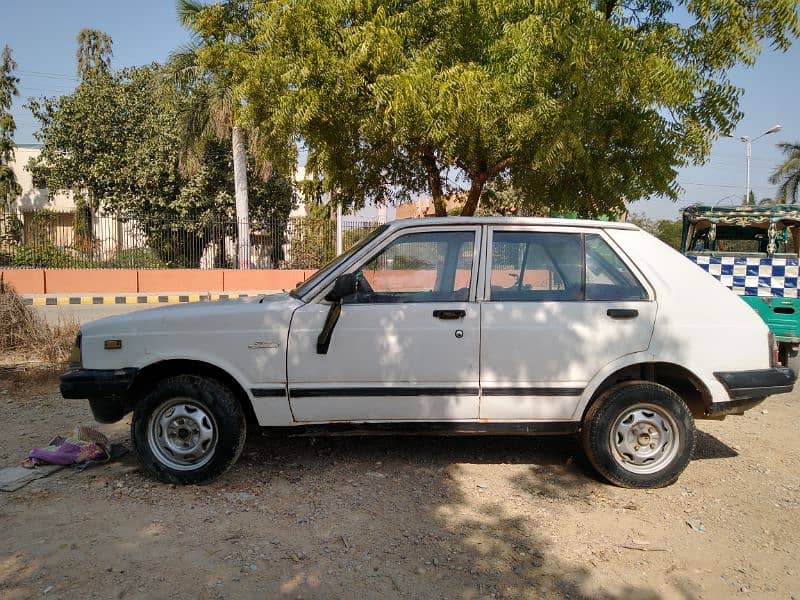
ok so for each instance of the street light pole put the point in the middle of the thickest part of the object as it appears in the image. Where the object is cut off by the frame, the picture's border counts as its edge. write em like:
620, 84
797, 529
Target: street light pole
748, 152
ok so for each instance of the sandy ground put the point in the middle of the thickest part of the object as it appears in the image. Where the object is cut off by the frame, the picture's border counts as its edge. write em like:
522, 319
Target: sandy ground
402, 517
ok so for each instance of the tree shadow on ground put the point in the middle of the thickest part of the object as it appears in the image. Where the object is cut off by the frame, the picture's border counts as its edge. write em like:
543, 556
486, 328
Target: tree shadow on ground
439, 524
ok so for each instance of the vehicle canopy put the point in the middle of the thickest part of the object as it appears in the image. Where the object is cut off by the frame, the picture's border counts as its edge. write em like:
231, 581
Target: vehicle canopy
743, 230
752, 250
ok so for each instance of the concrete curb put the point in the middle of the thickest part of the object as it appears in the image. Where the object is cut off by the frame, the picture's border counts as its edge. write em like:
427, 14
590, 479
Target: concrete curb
128, 299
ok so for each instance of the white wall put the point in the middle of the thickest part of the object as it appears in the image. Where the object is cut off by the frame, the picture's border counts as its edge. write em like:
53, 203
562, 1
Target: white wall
35, 198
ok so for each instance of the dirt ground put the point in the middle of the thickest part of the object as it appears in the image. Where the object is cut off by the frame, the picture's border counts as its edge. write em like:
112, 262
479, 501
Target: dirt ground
402, 517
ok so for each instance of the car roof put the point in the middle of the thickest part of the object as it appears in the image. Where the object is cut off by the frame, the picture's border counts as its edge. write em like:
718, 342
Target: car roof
454, 221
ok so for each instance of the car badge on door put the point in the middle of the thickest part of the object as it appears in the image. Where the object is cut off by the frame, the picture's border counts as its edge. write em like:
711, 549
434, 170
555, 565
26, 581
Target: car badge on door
263, 345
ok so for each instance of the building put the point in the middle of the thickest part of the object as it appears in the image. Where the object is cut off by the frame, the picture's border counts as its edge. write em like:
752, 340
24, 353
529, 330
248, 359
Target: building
33, 199
423, 207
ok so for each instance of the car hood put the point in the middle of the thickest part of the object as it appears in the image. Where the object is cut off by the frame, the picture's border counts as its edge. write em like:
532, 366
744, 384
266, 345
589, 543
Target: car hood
255, 311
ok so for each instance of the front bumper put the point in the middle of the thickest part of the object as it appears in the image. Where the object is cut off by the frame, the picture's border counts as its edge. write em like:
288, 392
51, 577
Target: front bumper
96, 383
749, 388
106, 390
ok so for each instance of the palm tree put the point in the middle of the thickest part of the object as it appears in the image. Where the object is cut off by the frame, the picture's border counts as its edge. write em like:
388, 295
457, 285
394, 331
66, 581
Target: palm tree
787, 174
212, 111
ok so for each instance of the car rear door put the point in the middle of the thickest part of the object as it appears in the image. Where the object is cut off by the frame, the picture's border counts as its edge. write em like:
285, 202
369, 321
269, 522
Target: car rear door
406, 347
560, 304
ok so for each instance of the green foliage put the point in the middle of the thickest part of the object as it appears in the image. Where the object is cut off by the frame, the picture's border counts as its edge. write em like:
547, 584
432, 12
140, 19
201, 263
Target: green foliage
313, 242
42, 226
9, 188
45, 255
787, 175
136, 258
115, 141
112, 142
582, 103
668, 231
11, 228
93, 56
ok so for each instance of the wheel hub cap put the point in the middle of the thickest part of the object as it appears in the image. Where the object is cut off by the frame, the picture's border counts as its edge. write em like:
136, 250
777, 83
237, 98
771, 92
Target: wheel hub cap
644, 439
182, 434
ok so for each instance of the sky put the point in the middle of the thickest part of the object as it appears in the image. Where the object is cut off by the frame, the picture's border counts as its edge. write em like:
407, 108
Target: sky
41, 34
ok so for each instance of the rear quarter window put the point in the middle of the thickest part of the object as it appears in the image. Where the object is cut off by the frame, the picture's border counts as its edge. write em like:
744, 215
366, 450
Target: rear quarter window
607, 276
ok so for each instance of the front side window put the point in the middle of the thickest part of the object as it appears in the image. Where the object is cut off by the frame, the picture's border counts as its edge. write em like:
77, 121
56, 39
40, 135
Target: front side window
322, 273
419, 267
536, 266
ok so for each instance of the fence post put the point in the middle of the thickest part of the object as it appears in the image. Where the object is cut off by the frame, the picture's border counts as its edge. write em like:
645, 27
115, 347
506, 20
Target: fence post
339, 240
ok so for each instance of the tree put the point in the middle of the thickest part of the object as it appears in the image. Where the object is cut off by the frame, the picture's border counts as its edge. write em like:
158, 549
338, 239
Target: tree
93, 56
114, 142
215, 107
93, 61
9, 188
668, 231
787, 174
111, 142
582, 103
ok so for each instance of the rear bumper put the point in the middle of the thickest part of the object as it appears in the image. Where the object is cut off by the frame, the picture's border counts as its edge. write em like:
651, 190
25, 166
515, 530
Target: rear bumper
747, 389
96, 383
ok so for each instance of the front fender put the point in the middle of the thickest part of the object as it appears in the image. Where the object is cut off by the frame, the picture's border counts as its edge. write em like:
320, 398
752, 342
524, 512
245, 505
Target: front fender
270, 409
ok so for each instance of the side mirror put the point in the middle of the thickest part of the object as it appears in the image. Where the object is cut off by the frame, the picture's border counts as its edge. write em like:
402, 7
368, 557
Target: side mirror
344, 285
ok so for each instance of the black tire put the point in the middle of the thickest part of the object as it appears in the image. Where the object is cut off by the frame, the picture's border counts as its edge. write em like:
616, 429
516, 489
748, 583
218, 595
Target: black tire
214, 409
659, 415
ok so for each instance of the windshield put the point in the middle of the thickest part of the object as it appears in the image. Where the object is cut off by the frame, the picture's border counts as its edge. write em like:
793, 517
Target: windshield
332, 265
743, 239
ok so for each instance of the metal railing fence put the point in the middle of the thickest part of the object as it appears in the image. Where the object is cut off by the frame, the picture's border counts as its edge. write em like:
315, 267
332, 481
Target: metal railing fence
47, 239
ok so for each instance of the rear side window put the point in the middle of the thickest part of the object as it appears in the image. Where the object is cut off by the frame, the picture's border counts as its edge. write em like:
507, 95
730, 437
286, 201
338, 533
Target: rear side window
536, 266
607, 277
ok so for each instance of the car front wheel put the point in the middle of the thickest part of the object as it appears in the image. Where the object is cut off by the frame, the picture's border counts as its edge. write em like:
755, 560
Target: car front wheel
639, 435
188, 429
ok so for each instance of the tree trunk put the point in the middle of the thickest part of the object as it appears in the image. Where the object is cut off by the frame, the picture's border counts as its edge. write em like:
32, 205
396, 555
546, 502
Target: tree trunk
474, 196
479, 180
435, 183
240, 191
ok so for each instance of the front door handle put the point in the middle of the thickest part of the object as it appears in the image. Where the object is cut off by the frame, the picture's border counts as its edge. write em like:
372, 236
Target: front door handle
450, 313
622, 313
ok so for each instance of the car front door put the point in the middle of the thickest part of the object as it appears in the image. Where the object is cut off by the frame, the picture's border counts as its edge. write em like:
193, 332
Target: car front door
405, 346
560, 304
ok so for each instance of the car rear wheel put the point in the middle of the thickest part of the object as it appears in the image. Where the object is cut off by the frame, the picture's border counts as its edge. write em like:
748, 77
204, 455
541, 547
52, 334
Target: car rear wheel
639, 435
188, 429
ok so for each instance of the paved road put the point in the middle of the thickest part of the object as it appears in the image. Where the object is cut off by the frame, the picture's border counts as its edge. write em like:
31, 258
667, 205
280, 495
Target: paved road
88, 312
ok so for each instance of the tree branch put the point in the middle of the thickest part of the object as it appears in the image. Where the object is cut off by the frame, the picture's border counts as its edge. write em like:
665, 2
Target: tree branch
500, 166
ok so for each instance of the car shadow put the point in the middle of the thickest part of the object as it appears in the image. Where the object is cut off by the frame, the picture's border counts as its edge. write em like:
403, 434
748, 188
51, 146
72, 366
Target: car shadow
707, 446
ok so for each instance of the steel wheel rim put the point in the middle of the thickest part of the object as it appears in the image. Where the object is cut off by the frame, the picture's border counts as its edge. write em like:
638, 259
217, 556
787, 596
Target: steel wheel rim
183, 434
644, 439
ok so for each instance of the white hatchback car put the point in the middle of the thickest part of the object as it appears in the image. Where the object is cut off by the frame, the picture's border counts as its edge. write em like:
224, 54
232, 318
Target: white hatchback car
453, 326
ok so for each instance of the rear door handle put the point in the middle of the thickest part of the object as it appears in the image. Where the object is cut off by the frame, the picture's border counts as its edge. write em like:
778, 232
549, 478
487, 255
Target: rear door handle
622, 313
450, 313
